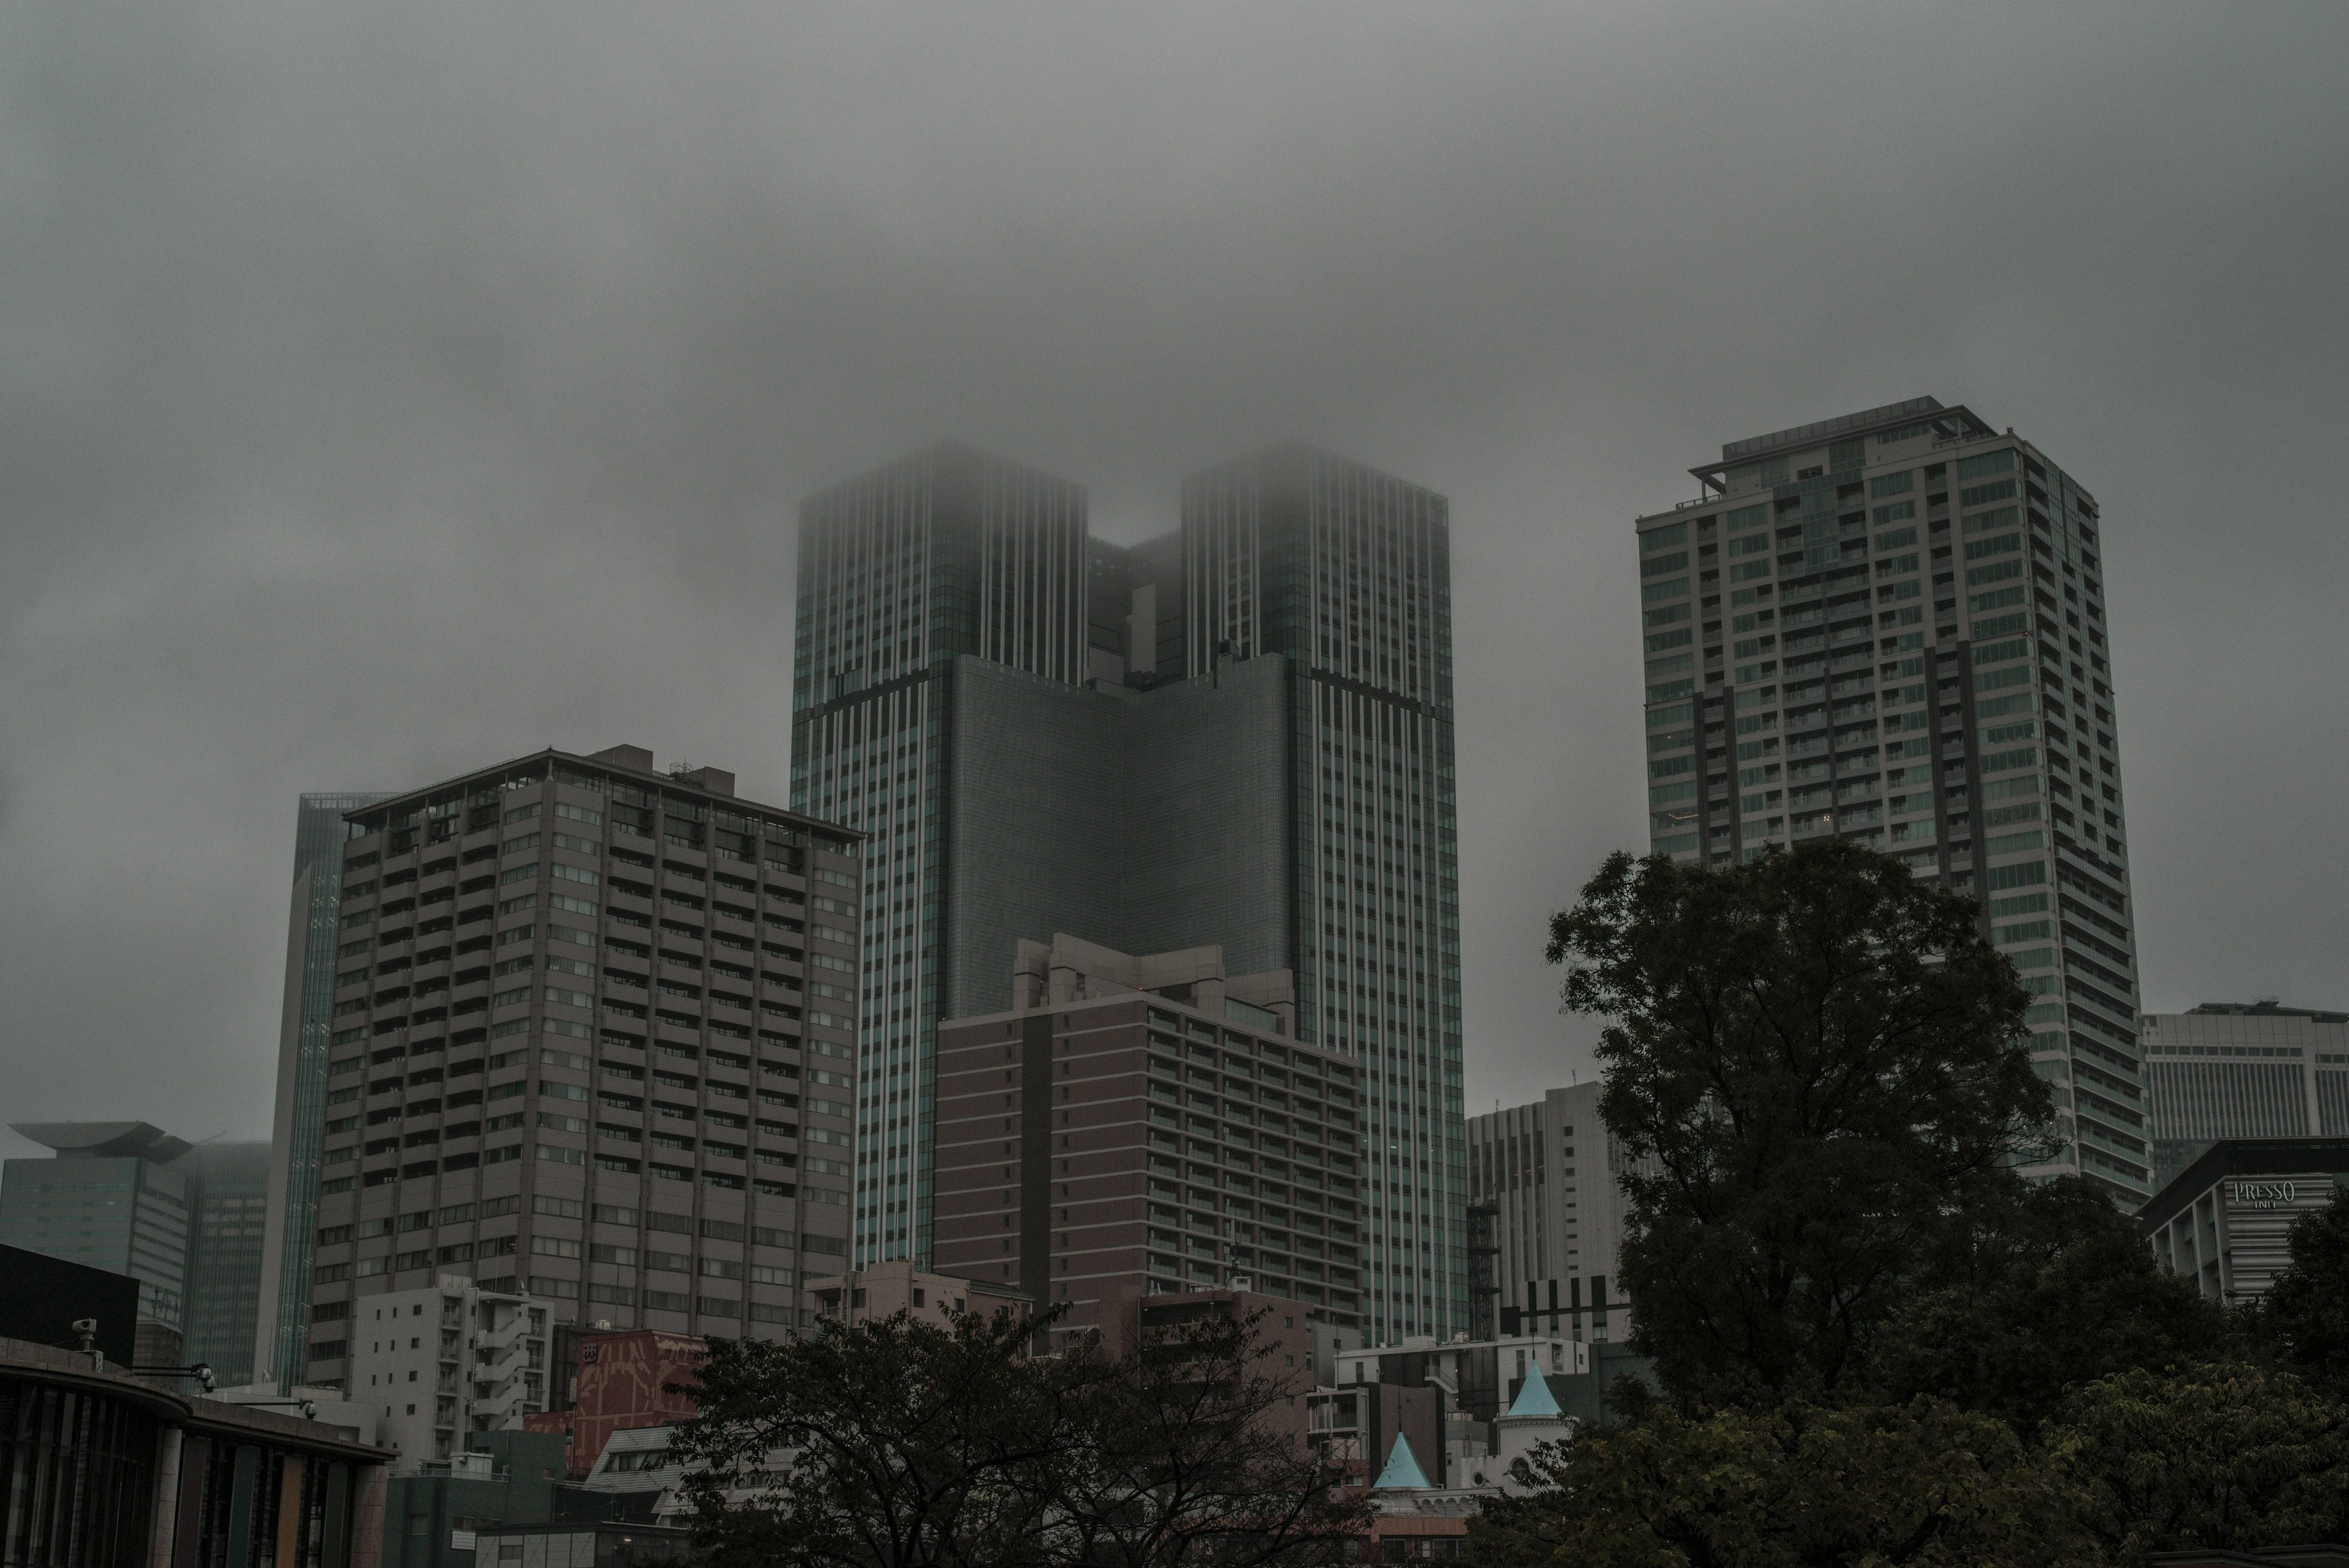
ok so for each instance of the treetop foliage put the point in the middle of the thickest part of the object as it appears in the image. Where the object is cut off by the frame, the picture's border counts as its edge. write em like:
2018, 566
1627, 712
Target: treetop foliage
953, 1446
1816, 1065
1880, 1346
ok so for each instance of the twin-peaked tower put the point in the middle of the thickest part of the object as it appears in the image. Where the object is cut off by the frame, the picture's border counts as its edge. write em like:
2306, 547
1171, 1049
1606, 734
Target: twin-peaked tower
1238, 735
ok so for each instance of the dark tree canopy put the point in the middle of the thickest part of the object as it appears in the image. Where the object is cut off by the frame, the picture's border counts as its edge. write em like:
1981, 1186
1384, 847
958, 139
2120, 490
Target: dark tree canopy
2224, 1457
1922, 1484
914, 1445
1816, 1066
2055, 1291
2306, 1310
2217, 1456
908, 1444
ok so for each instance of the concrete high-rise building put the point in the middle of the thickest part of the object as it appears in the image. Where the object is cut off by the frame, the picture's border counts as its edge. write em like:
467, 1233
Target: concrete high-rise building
1892, 625
1549, 1172
280, 1329
112, 1198
1238, 735
2238, 1070
1139, 1126
574, 1055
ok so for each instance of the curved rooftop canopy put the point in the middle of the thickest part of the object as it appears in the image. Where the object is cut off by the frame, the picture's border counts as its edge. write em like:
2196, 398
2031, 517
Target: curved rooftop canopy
105, 1140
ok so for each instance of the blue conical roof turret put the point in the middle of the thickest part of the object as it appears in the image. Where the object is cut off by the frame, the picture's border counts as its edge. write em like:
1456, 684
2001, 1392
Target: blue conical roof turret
1534, 1397
1403, 1468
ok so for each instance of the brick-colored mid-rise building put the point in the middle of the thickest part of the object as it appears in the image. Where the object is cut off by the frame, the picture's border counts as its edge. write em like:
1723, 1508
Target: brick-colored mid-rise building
583, 1050
618, 1380
1136, 1127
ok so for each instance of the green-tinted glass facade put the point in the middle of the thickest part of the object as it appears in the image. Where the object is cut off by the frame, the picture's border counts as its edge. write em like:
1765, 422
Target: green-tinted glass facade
1347, 572
282, 1303
123, 1214
228, 1203
901, 570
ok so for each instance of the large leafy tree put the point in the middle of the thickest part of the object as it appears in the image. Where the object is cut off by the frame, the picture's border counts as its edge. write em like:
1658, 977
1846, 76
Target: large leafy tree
908, 1444
1816, 1065
2306, 1310
2226, 1457
1190, 1449
2055, 1291
1924, 1484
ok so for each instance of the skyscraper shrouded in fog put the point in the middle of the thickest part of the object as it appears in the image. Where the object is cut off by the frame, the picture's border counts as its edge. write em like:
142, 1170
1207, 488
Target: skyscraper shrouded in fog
184, 1220
1892, 625
1238, 735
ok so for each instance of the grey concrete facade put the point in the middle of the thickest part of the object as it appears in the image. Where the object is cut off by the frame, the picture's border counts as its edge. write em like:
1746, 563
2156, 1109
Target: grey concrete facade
1550, 1170
2234, 1069
581, 1053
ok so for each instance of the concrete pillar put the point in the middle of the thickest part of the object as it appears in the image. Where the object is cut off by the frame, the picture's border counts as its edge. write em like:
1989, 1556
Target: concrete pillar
373, 1483
163, 1523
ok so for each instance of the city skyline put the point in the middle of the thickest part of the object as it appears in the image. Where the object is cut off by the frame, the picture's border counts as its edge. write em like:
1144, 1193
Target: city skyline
377, 419
1522, 1083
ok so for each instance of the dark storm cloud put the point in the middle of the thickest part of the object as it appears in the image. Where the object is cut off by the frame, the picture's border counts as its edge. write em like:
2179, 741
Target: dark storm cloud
385, 390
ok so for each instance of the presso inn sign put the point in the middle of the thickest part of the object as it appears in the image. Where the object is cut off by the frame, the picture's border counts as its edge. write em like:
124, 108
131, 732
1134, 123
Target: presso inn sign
2261, 1194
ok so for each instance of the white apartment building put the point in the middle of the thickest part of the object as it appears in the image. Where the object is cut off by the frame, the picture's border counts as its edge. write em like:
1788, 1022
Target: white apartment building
1544, 1174
445, 1359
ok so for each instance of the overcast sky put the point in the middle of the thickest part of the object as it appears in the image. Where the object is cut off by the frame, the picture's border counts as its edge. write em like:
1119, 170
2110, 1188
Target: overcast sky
389, 389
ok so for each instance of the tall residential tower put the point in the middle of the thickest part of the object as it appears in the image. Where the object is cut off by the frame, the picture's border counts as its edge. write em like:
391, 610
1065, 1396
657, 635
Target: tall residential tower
1892, 625
1236, 735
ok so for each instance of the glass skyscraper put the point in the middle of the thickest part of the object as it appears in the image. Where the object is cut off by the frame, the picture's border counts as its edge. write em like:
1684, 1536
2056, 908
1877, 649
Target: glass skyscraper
945, 553
1346, 572
116, 1197
282, 1311
228, 1206
1238, 735
184, 1220
1891, 626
